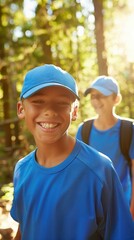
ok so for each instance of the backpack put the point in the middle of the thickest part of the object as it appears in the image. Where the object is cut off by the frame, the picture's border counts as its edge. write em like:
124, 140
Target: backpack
126, 130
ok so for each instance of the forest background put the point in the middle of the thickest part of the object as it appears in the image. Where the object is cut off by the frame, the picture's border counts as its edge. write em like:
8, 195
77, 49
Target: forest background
87, 38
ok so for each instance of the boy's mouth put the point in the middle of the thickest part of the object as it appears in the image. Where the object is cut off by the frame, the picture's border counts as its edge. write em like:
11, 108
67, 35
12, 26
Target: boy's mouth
48, 125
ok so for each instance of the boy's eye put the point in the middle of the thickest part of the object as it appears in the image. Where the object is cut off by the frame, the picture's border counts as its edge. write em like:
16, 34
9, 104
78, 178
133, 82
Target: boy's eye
63, 104
38, 101
97, 96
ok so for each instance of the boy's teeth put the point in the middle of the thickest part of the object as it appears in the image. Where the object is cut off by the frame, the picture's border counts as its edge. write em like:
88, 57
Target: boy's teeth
48, 125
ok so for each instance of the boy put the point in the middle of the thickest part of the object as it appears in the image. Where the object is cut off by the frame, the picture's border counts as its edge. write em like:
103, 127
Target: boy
105, 131
64, 190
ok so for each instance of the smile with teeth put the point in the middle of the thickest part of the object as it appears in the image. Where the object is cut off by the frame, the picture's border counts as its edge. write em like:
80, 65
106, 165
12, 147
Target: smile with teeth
48, 125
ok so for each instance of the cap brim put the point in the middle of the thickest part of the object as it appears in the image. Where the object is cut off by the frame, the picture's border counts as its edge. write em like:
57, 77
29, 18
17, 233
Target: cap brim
102, 90
41, 86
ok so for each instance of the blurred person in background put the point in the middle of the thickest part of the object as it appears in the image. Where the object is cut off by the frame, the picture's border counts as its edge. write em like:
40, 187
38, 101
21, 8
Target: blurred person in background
104, 134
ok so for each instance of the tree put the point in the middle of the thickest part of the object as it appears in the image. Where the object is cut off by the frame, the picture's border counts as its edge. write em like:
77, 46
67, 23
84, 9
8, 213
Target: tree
4, 80
100, 41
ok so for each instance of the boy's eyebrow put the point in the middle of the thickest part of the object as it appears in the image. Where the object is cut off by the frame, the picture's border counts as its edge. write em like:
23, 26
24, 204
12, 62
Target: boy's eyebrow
65, 95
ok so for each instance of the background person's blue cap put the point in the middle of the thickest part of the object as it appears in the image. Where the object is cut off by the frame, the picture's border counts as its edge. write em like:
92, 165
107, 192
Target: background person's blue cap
104, 84
46, 76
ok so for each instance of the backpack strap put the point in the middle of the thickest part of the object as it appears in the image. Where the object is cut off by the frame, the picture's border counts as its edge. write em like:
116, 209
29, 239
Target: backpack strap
86, 128
126, 130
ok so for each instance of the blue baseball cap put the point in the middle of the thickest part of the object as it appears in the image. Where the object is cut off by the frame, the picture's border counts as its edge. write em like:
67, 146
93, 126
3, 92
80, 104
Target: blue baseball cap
46, 76
104, 84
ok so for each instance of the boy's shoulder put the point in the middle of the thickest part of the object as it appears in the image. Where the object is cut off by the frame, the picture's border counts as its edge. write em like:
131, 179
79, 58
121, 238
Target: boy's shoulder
97, 162
23, 162
92, 153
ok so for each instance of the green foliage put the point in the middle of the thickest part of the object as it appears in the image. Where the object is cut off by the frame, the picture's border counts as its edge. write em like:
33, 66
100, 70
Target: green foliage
7, 192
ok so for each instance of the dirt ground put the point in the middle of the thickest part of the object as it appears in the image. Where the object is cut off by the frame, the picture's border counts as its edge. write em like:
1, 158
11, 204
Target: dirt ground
8, 226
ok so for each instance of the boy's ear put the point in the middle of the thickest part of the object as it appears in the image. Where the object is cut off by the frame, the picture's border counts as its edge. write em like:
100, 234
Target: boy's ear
20, 110
118, 99
75, 113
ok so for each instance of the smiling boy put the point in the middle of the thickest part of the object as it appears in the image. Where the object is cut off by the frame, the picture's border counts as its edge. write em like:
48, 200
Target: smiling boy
105, 133
64, 189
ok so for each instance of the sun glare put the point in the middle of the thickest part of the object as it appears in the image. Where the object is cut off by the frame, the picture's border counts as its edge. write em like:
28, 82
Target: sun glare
126, 36
123, 34
129, 37
29, 8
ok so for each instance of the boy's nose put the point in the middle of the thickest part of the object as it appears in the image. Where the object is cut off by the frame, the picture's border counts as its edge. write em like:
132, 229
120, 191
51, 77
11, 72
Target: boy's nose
51, 111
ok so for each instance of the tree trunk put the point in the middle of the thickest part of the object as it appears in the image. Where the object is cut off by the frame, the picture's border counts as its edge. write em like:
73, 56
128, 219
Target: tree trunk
99, 33
5, 88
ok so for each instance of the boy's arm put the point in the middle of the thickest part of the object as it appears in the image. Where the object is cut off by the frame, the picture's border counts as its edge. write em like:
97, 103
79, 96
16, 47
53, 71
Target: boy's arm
18, 234
119, 223
132, 196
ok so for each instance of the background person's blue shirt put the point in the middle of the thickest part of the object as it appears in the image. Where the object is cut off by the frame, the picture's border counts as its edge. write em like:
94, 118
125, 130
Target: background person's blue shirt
71, 201
108, 142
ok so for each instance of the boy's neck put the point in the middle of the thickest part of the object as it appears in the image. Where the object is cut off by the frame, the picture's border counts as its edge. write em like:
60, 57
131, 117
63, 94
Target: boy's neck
105, 122
51, 155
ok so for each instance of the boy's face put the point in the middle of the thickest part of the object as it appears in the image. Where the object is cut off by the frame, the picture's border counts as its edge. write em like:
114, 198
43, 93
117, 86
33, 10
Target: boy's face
48, 113
101, 103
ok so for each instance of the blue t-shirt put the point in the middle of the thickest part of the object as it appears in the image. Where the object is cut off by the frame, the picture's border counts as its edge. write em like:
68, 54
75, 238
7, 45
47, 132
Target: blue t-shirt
108, 142
79, 199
